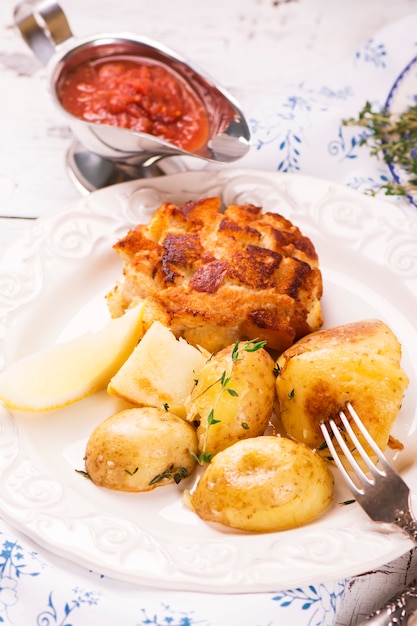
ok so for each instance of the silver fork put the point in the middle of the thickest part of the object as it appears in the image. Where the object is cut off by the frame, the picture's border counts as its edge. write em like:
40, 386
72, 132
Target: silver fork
381, 492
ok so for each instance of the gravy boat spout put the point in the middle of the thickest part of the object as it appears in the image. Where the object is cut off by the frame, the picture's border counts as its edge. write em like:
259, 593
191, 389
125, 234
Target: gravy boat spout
46, 30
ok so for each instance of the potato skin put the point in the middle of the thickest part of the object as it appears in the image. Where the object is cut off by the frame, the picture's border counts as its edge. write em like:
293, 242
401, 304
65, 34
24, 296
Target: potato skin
129, 450
359, 363
243, 414
264, 484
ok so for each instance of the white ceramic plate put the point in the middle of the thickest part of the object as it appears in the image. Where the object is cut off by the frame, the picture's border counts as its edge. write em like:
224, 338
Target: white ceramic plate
52, 283
402, 96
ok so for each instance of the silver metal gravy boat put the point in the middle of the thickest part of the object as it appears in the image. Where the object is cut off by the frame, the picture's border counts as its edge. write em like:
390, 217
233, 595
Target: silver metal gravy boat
45, 28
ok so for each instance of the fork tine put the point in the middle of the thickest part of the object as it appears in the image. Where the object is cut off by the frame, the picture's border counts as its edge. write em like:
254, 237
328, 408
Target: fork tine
383, 494
357, 446
335, 455
347, 452
369, 440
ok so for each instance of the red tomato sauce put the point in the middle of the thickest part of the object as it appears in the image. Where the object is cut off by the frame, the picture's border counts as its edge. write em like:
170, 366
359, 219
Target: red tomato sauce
131, 93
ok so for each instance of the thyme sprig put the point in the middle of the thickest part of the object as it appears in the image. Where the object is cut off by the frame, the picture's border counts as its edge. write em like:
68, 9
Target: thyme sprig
178, 474
224, 379
392, 137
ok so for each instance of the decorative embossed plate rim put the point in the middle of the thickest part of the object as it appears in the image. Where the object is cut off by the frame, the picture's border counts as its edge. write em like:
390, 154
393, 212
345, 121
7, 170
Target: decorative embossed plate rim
52, 282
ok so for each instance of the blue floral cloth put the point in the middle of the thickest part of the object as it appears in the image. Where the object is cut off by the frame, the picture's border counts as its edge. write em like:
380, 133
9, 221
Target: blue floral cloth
296, 127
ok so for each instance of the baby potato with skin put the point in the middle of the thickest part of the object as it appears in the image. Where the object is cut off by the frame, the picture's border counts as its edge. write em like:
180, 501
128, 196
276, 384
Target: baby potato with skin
265, 484
236, 387
139, 449
359, 362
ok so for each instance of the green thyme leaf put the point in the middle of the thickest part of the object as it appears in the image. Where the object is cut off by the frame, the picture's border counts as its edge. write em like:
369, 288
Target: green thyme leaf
180, 474
210, 419
235, 352
83, 473
202, 458
224, 379
160, 477
177, 474
254, 345
131, 473
205, 458
393, 138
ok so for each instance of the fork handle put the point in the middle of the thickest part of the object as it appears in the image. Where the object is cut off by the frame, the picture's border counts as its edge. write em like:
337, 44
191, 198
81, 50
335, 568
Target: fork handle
406, 521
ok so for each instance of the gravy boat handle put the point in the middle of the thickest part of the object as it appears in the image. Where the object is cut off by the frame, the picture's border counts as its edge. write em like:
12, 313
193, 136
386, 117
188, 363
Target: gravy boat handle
43, 25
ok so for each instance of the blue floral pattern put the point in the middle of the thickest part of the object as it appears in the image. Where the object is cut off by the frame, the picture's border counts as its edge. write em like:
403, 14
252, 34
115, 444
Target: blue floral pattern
168, 616
15, 562
345, 148
374, 53
318, 601
283, 135
60, 616
304, 132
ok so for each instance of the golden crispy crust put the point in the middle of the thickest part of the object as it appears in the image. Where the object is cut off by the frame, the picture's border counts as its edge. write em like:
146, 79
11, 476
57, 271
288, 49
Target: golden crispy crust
218, 277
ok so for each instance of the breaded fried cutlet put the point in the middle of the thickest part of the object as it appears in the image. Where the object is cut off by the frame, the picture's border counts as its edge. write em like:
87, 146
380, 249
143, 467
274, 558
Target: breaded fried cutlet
215, 277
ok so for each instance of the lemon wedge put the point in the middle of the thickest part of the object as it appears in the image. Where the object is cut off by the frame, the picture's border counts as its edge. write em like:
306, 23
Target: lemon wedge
70, 371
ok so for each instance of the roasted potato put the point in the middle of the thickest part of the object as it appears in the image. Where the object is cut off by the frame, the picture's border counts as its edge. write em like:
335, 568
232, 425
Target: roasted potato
234, 396
358, 363
139, 449
160, 372
264, 484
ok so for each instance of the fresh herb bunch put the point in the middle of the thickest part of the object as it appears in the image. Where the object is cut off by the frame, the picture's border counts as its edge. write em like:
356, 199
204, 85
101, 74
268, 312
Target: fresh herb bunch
393, 137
